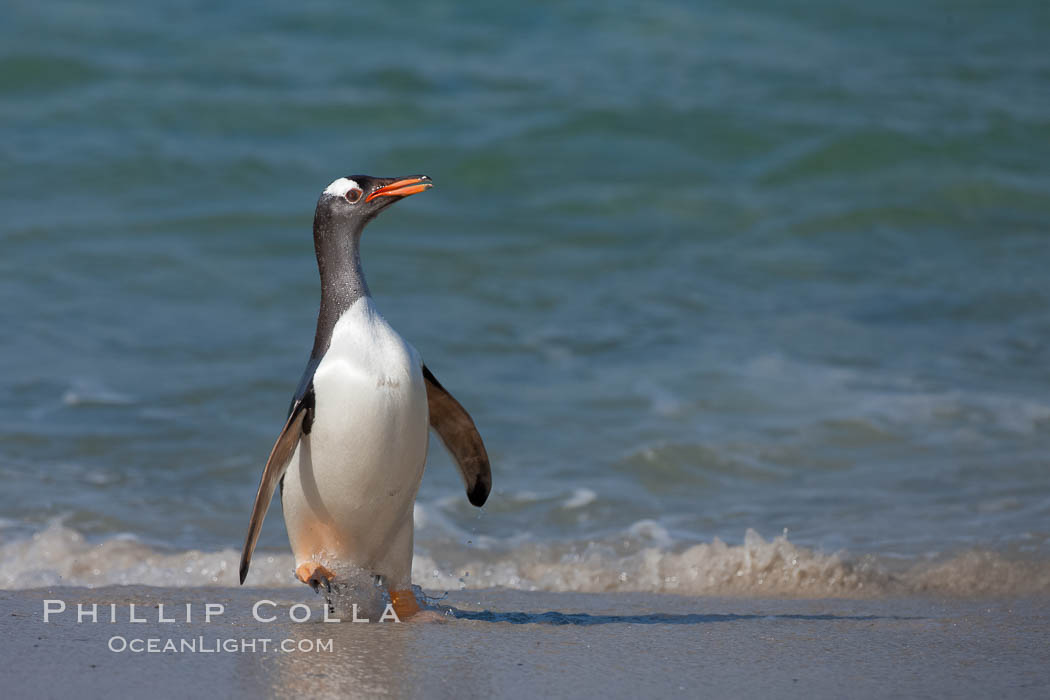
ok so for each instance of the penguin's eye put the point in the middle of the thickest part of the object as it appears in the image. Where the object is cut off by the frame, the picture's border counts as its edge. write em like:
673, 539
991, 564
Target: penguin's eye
353, 194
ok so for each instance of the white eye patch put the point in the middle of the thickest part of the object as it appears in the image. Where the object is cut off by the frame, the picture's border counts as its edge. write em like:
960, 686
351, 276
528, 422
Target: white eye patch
340, 187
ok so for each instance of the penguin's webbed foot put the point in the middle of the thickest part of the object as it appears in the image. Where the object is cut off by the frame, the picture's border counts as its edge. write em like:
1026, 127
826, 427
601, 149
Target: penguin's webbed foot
316, 576
404, 603
319, 581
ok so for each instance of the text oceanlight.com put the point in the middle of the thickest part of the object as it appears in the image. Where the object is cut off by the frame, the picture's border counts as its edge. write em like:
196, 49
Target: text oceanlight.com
215, 645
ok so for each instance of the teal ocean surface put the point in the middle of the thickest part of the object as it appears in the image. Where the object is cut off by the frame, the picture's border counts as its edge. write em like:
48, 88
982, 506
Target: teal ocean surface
743, 297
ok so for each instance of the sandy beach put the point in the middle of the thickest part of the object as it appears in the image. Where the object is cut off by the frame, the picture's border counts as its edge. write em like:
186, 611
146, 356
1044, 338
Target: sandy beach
508, 643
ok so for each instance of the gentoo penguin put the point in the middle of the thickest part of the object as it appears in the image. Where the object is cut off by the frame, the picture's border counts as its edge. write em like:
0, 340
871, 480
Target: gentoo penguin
351, 454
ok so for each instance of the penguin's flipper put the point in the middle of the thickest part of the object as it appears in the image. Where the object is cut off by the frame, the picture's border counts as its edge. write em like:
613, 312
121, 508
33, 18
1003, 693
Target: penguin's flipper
457, 431
298, 422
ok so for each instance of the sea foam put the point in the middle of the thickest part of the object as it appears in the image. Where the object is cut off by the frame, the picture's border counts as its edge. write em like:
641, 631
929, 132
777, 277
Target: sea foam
776, 568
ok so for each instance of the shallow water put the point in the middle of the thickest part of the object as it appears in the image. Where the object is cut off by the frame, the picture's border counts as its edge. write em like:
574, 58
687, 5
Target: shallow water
693, 271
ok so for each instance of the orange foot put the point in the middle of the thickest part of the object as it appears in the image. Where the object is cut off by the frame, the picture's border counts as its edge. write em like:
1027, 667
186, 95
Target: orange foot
316, 575
405, 603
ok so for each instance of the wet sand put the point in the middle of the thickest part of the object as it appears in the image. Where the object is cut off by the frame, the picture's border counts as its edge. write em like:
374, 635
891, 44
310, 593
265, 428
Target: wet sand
520, 644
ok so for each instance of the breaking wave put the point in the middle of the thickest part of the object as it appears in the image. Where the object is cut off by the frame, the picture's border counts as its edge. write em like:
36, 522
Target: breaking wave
776, 568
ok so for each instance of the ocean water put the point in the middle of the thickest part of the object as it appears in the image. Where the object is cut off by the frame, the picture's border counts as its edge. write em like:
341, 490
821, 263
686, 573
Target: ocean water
743, 297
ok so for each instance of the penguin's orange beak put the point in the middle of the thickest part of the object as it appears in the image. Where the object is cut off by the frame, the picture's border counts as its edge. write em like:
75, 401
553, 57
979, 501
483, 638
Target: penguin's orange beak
402, 188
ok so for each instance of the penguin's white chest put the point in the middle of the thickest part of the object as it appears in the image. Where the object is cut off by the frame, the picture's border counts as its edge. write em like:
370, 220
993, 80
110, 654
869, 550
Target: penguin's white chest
350, 487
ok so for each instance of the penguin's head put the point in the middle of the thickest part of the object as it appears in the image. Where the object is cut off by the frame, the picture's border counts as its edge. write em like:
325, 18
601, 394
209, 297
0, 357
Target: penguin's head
358, 198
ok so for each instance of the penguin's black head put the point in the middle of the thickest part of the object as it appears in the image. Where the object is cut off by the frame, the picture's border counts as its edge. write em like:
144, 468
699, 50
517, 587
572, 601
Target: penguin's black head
358, 198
